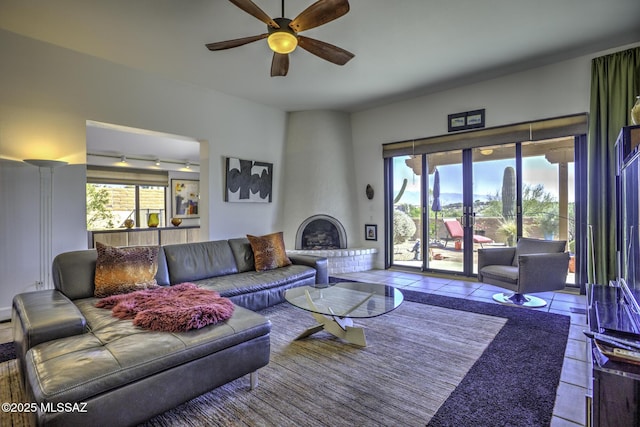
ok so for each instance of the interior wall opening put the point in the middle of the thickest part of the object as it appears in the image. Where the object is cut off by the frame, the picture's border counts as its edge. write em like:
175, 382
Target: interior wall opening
130, 174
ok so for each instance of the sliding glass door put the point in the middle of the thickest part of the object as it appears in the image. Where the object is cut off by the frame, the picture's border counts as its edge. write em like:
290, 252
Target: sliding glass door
495, 195
469, 213
480, 197
446, 239
406, 213
548, 193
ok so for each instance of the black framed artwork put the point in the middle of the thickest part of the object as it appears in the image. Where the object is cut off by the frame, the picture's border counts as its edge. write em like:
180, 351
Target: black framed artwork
248, 181
371, 232
457, 121
467, 120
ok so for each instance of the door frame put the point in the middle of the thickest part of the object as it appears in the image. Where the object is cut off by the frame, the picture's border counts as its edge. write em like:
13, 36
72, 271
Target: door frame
467, 220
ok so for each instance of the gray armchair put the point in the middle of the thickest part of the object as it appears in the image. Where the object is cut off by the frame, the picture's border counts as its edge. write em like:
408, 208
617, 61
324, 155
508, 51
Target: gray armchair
532, 266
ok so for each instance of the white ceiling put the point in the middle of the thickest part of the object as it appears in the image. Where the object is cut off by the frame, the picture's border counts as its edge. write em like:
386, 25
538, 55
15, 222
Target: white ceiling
403, 48
142, 147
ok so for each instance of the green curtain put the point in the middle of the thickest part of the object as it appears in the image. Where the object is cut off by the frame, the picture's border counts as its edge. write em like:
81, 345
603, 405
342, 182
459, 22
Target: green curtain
615, 83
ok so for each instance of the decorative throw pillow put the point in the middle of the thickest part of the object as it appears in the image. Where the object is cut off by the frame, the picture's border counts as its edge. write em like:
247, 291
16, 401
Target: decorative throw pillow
268, 251
123, 270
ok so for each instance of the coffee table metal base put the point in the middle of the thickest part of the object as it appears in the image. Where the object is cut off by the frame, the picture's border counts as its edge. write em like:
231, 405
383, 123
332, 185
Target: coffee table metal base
339, 327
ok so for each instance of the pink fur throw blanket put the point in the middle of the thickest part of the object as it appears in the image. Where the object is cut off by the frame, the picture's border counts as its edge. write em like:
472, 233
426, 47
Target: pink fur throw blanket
171, 309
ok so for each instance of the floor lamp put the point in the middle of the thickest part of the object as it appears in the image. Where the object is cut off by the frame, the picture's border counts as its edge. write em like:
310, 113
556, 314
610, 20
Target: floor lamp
46, 218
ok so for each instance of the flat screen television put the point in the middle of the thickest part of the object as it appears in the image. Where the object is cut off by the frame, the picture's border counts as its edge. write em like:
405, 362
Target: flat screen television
629, 207
623, 314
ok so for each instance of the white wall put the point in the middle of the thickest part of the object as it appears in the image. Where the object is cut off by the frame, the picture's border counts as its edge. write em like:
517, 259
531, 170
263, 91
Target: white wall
46, 96
319, 172
551, 91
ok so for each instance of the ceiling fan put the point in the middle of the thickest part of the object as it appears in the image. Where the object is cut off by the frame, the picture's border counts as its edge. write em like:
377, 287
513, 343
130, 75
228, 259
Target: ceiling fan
282, 33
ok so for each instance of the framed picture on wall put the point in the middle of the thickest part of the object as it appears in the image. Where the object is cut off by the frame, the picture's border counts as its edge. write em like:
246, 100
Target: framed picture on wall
467, 120
248, 181
185, 198
457, 121
371, 232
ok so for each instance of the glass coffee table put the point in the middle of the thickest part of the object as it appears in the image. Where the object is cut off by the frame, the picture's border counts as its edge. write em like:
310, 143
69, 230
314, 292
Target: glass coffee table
334, 306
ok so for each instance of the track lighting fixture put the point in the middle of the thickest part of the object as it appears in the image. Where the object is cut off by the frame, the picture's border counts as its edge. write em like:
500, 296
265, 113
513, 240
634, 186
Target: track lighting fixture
139, 161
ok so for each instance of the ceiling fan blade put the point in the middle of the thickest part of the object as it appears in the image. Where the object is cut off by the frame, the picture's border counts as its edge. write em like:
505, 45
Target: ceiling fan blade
279, 64
324, 50
252, 9
319, 13
228, 44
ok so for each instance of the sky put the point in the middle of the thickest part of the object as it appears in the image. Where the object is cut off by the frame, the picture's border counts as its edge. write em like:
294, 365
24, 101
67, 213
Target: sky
487, 178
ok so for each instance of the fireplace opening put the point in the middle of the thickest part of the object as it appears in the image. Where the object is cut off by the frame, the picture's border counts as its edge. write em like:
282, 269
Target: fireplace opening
321, 232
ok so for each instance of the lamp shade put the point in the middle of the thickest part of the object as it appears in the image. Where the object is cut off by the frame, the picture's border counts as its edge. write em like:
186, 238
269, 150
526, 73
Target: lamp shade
282, 42
45, 163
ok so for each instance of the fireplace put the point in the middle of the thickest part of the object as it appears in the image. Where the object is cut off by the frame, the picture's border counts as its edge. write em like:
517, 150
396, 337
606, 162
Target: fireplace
321, 232
325, 236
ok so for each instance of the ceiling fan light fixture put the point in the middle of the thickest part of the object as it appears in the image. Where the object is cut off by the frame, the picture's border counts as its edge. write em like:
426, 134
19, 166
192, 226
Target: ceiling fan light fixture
282, 40
282, 33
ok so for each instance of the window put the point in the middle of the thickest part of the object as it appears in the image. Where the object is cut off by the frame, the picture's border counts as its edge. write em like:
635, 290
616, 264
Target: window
114, 195
495, 185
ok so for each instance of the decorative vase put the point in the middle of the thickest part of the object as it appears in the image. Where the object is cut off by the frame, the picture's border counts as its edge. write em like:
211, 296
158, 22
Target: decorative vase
176, 221
635, 112
128, 223
153, 220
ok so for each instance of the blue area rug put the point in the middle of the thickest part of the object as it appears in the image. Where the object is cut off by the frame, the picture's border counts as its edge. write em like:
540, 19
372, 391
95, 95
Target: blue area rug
514, 382
7, 352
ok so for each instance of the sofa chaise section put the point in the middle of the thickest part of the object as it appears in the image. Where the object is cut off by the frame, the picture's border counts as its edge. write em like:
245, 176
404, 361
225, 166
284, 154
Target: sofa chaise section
126, 374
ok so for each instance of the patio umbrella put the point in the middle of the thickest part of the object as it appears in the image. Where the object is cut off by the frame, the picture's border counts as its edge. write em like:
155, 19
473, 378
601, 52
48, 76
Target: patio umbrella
435, 206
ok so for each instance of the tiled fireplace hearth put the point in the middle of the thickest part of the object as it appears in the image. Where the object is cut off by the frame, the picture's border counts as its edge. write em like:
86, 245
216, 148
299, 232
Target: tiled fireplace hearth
343, 260
323, 235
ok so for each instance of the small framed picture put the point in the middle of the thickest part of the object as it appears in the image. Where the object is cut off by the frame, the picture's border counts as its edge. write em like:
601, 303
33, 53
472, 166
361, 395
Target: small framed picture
475, 119
457, 121
185, 197
371, 232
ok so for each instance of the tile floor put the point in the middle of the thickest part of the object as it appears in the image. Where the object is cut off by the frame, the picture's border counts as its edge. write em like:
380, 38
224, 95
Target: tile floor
569, 409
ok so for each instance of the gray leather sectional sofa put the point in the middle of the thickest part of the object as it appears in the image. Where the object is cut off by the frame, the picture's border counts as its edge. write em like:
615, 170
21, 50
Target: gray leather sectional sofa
118, 374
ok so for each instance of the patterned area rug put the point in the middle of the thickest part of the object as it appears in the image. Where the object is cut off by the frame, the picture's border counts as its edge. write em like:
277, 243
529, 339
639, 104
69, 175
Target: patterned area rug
434, 361
11, 392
